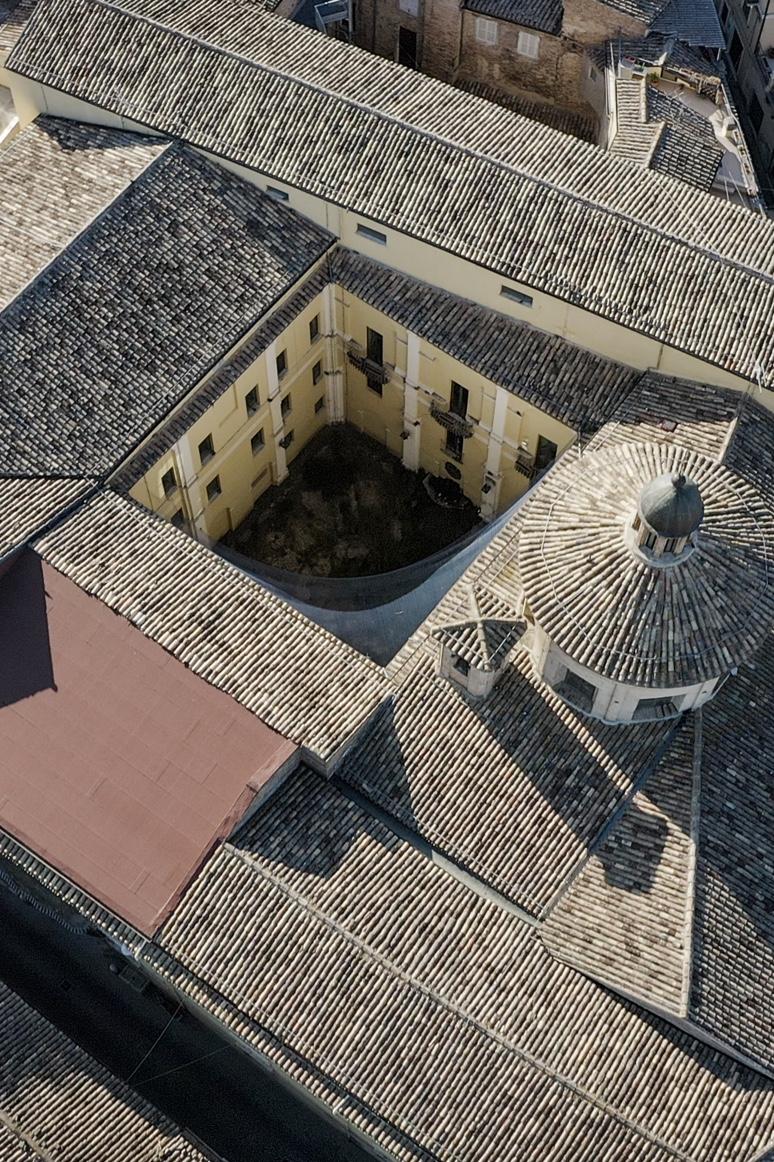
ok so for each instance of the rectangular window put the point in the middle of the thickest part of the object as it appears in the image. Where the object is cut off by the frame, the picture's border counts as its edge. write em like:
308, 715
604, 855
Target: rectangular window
169, 482
454, 445
528, 45
374, 346
252, 402
407, 47
278, 194
257, 442
546, 453
314, 328
516, 296
319, 404
459, 400
206, 450
371, 235
178, 519
282, 364
486, 31
213, 488
286, 406
735, 52
317, 371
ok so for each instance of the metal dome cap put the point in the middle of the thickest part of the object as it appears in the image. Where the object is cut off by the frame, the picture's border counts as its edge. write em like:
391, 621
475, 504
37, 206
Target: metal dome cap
671, 505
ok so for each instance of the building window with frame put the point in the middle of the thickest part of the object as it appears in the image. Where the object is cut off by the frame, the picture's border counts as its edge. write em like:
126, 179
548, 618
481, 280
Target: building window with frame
374, 354
545, 454
178, 519
319, 404
486, 31
169, 482
528, 45
257, 442
286, 406
516, 296
454, 445
252, 401
317, 372
206, 450
458, 402
282, 363
213, 488
278, 194
370, 234
314, 329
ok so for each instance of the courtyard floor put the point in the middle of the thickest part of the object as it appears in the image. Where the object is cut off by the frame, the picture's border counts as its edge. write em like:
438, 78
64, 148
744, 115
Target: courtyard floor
348, 509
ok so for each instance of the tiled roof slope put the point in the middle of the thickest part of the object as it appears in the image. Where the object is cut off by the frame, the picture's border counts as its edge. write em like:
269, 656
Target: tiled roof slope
733, 965
27, 504
57, 1102
645, 10
543, 15
14, 14
298, 678
129, 318
433, 1018
443, 166
626, 919
692, 21
55, 177
568, 121
527, 792
611, 611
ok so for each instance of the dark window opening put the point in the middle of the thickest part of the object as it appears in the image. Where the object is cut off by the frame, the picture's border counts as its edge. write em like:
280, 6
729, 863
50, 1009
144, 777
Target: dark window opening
286, 440
407, 47
314, 328
371, 235
278, 194
286, 406
213, 488
317, 372
257, 442
374, 346
319, 404
178, 519
282, 364
657, 708
206, 450
460, 665
755, 110
577, 690
509, 292
735, 52
454, 444
252, 403
453, 471
459, 400
169, 482
546, 453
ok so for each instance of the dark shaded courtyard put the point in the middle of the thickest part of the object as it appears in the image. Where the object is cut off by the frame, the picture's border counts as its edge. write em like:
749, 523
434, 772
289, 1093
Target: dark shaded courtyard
350, 509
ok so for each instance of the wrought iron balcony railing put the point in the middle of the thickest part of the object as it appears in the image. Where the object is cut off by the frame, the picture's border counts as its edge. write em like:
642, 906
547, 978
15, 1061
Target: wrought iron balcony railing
451, 421
380, 372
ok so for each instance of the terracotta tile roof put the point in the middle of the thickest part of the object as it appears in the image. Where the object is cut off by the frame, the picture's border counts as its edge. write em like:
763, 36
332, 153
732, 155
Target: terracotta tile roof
119, 766
429, 1015
500, 190
58, 1102
626, 919
56, 176
96, 362
543, 15
28, 504
568, 121
226, 628
614, 613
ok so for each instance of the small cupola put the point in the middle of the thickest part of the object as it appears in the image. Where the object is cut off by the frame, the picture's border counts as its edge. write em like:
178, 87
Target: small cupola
474, 651
669, 512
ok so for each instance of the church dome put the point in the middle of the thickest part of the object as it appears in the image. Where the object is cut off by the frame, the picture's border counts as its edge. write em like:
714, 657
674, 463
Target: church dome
671, 505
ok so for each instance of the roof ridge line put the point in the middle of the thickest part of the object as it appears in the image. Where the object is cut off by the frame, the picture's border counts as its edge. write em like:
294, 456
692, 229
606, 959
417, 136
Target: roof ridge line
413, 981
429, 134
693, 857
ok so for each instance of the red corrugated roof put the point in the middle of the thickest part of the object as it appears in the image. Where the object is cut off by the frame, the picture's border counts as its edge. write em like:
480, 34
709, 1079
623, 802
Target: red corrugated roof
118, 766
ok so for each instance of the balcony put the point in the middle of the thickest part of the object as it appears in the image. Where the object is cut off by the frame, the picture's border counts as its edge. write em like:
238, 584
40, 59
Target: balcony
378, 372
451, 421
525, 464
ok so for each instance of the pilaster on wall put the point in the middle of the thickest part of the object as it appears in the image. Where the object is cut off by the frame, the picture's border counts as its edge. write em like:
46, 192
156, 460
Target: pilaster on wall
275, 410
188, 481
411, 424
490, 501
335, 404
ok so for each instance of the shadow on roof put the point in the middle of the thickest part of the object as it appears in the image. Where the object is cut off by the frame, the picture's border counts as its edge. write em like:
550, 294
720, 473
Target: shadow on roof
24, 640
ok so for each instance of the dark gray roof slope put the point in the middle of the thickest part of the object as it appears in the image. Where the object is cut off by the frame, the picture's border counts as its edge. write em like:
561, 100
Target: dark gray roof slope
57, 1102
432, 1017
130, 317
543, 15
695, 22
55, 177
427, 159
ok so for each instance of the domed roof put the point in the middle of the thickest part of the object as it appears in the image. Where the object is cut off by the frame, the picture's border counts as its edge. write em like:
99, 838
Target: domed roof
612, 610
671, 505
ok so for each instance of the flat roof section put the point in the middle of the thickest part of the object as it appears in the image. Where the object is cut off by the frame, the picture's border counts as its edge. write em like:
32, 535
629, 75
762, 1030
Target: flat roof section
118, 766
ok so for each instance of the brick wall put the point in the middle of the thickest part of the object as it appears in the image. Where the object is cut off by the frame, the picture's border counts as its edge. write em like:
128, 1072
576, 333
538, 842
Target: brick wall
590, 22
555, 76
